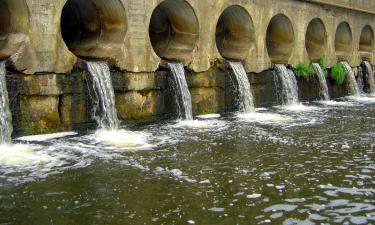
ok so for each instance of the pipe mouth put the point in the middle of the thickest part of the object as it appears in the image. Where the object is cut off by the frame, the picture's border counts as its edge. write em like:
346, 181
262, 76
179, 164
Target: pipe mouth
316, 40
174, 30
235, 33
13, 19
343, 42
366, 43
93, 28
280, 39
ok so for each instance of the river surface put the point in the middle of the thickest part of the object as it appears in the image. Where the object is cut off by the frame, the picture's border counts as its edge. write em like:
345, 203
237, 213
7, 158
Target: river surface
309, 164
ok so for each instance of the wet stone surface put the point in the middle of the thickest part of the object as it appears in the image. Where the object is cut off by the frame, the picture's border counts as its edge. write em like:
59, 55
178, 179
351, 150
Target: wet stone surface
311, 164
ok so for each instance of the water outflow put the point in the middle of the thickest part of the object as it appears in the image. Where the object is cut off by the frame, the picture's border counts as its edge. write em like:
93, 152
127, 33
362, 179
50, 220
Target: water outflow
181, 89
352, 83
104, 96
323, 88
360, 81
5, 114
289, 88
244, 89
370, 76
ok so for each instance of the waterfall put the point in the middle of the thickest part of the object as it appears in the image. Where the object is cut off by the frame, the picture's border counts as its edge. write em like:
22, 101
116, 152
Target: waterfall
352, 83
5, 114
360, 81
244, 88
370, 76
323, 88
181, 89
104, 95
289, 88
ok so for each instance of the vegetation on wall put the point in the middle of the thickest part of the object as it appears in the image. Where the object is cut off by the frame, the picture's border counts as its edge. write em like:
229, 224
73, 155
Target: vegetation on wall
304, 70
338, 73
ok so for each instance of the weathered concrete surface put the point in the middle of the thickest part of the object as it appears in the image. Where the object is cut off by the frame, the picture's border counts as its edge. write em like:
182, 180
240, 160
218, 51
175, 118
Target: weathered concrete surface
35, 44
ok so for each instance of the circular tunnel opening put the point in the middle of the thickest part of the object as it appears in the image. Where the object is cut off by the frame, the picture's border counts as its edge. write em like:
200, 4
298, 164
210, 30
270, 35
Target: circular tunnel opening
343, 42
235, 33
316, 39
13, 20
174, 30
366, 43
92, 25
280, 39
4, 22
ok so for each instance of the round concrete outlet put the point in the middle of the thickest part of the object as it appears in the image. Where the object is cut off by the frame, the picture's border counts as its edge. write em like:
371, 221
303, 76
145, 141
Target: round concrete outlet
280, 39
174, 30
316, 40
90, 24
343, 42
366, 43
235, 33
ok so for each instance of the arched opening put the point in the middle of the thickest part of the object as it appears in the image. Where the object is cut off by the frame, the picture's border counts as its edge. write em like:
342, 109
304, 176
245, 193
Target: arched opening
174, 30
366, 43
90, 26
343, 42
280, 39
316, 39
235, 33
13, 18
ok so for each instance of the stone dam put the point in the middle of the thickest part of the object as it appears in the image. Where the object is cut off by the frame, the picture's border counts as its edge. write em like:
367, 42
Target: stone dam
46, 43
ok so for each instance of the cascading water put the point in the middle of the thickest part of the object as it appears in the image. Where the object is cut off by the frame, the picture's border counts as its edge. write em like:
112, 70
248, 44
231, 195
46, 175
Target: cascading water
244, 88
181, 89
360, 81
289, 89
323, 88
370, 76
5, 114
352, 83
104, 95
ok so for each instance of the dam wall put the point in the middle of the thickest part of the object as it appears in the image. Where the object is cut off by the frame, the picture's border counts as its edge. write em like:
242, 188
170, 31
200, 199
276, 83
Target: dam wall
45, 43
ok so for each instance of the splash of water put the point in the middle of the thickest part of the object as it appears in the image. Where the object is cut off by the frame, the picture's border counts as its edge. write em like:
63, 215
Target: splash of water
5, 114
370, 77
289, 89
244, 89
323, 88
104, 93
352, 83
181, 89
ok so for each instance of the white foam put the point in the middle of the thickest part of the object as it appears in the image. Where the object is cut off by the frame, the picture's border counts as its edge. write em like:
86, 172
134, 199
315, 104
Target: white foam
264, 117
362, 99
299, 108
199, 124
46, 137
123, 139
335, 103
209, 116
23, 156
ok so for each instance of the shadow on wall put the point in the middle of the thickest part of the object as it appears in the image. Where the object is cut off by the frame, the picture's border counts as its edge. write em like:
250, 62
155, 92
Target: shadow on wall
92, 28
174, 30
280, 39
235, 33
316, 40
366, 44
343, 42
14, 18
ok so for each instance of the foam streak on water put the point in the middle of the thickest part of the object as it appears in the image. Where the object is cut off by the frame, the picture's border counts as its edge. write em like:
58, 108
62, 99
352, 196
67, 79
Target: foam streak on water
180, 86
104, 93
352, 83
322, 82
370, 76
244, 88
288, 82
5, 114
